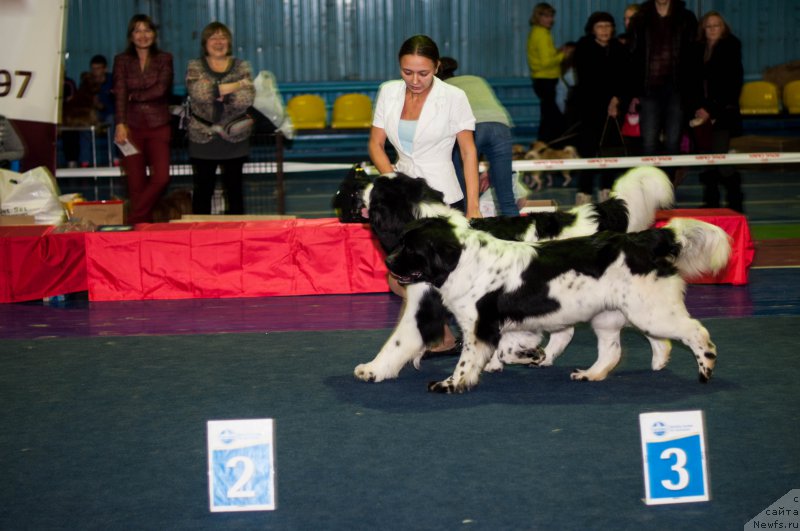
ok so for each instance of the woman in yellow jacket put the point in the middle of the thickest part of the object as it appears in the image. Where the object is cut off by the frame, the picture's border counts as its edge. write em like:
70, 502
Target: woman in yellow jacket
545, 64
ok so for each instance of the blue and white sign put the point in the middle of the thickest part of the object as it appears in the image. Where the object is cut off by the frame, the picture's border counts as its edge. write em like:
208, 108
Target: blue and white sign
241, 471
674, 454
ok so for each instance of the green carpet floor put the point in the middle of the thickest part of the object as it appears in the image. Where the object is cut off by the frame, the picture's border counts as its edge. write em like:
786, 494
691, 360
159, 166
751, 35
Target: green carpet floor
774, 231
110, 434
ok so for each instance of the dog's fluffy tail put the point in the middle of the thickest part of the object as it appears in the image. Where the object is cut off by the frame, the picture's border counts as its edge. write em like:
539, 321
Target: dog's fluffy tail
705, 248
644, 189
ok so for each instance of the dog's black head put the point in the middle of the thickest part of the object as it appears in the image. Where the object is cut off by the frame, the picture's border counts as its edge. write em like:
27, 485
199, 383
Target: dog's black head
394, 202
429, 251
348, 203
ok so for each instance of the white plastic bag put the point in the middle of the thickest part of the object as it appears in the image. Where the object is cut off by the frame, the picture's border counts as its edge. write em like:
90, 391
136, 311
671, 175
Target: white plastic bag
268, 102
33, 193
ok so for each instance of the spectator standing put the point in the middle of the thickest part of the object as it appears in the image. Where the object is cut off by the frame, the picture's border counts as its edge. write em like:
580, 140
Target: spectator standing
221, 90
70, 140
98, 82
627, 16
599, 97
544, 61
142, 85
665, 77
718, 116
492, 134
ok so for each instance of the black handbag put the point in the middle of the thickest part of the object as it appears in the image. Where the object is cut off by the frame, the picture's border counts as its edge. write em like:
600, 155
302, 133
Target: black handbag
611, 144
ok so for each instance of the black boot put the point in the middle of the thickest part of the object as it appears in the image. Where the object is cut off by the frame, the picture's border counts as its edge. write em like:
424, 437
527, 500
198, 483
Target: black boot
710, 181
733, 191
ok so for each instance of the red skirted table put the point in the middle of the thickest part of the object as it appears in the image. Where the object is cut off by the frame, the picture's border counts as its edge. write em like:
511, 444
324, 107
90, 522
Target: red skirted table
236, 259
732, 222
35, 263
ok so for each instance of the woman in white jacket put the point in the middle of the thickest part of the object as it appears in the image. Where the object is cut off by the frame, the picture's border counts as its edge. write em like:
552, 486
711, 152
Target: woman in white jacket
423, 117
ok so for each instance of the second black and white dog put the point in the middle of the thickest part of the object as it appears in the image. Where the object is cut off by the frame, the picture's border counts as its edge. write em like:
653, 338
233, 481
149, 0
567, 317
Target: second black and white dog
388, 203
496, 287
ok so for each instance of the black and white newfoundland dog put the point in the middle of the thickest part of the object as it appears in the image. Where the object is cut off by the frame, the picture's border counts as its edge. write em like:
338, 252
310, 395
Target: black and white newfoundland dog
389, 202
496, 287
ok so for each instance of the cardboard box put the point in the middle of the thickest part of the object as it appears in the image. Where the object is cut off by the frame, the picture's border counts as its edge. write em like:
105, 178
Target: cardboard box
539, 205
16, 220
100, 212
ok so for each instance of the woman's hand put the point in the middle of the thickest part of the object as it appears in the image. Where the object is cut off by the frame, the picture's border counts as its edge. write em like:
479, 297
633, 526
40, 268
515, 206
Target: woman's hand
229, 88
613, 107
474, 212
121, 134
702, 114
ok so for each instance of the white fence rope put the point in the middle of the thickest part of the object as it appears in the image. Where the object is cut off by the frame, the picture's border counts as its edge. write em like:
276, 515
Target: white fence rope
660, 160
715, 159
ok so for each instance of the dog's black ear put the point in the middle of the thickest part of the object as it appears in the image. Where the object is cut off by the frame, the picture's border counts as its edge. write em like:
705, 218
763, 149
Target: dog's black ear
349, 199
419, 191
434, 239
392, 205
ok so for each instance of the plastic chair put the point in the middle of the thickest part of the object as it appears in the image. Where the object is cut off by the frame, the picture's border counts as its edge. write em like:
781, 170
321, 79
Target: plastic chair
307, 111
759, 97
791, 96
352, 111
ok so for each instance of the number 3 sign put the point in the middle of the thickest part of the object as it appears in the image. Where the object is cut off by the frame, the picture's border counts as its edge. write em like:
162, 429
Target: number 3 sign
674, 453
241, 474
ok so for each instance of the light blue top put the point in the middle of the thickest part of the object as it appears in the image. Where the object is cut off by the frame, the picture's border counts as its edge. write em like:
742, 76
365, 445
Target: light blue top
406, 131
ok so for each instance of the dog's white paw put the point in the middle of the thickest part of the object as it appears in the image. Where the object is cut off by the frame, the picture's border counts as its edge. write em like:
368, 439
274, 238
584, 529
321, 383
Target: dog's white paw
448, 386
661, 353
531, 357
586, 376
369, 372
494, 365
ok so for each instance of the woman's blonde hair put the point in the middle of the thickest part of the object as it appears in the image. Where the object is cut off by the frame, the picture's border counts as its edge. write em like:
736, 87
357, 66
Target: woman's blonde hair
540, 10
701, 30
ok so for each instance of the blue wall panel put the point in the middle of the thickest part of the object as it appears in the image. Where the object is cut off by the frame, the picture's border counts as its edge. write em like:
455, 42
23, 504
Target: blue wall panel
339, 40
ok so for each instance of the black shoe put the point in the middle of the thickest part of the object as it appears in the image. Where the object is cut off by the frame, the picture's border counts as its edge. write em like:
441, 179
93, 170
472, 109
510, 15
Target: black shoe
455, 350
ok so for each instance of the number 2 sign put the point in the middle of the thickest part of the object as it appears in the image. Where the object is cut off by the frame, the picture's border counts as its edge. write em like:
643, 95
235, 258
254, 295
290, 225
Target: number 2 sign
241, 472
674, 454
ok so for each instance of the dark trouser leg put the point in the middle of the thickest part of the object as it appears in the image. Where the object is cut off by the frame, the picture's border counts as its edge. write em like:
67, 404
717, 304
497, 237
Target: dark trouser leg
204, 179
145, 190
710, 181
550, 120
733, 190
607, 178
586, 181
494, 140
232, 182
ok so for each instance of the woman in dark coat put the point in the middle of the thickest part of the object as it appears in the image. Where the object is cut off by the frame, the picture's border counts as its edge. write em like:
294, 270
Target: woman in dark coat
718, 118
599, 97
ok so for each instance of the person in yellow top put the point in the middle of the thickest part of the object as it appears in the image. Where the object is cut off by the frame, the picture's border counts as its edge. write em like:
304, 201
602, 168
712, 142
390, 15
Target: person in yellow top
544, 61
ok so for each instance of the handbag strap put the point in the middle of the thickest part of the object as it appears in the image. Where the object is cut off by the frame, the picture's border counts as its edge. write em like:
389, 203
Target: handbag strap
619, 131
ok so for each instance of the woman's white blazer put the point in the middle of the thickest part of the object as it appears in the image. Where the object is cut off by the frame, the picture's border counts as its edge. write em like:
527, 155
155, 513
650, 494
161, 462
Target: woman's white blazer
446, 113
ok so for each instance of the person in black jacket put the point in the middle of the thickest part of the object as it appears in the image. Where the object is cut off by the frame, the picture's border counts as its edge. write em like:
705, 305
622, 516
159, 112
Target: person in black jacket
718, 118
665, 78
599, 98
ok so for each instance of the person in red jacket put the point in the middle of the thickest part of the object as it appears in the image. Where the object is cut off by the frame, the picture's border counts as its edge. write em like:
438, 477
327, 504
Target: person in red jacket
142, 85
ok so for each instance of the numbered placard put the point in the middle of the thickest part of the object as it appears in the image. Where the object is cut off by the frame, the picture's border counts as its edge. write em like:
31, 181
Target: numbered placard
674, 454
241, 471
